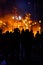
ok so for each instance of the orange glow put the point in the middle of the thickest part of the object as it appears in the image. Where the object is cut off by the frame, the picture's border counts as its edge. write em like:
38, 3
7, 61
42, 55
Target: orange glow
9, 23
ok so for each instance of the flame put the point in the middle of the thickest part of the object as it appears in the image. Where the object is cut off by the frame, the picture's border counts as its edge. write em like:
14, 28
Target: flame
11, 22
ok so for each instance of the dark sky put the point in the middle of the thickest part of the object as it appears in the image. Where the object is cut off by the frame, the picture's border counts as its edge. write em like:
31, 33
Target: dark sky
2, 1
23, 6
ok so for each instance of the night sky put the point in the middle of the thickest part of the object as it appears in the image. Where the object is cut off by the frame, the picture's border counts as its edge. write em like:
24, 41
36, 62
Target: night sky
32, 6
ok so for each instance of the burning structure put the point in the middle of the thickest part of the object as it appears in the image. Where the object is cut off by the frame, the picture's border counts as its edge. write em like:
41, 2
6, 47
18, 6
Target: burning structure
10, 22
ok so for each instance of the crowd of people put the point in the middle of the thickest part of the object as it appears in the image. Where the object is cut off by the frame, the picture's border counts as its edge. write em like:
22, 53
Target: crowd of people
21, 48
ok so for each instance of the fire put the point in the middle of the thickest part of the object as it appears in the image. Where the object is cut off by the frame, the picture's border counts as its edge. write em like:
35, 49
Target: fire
11, 22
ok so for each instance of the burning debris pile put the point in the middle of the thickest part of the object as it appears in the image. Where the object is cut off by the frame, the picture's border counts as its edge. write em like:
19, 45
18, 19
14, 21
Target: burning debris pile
10, 22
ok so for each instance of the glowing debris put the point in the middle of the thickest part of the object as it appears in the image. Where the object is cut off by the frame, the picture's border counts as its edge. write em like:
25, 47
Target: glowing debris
20, 18
39, 21
12, 17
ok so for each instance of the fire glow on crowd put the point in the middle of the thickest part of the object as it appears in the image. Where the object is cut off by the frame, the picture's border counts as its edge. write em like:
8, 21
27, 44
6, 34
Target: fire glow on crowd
11, 22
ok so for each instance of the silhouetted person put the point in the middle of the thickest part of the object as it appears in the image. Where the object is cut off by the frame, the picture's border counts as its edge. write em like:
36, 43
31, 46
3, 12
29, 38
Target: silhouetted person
42, 41
27, 41
17, 44
38, 43
0, 31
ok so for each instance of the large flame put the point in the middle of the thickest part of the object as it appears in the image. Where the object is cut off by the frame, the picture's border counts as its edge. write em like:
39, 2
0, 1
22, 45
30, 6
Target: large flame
11, 22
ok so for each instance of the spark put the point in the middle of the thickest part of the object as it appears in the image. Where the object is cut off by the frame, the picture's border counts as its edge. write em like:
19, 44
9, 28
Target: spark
39, 21
12, 17
20, 17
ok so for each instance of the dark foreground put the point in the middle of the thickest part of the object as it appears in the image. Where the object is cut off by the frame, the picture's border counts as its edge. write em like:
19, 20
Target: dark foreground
21, 49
